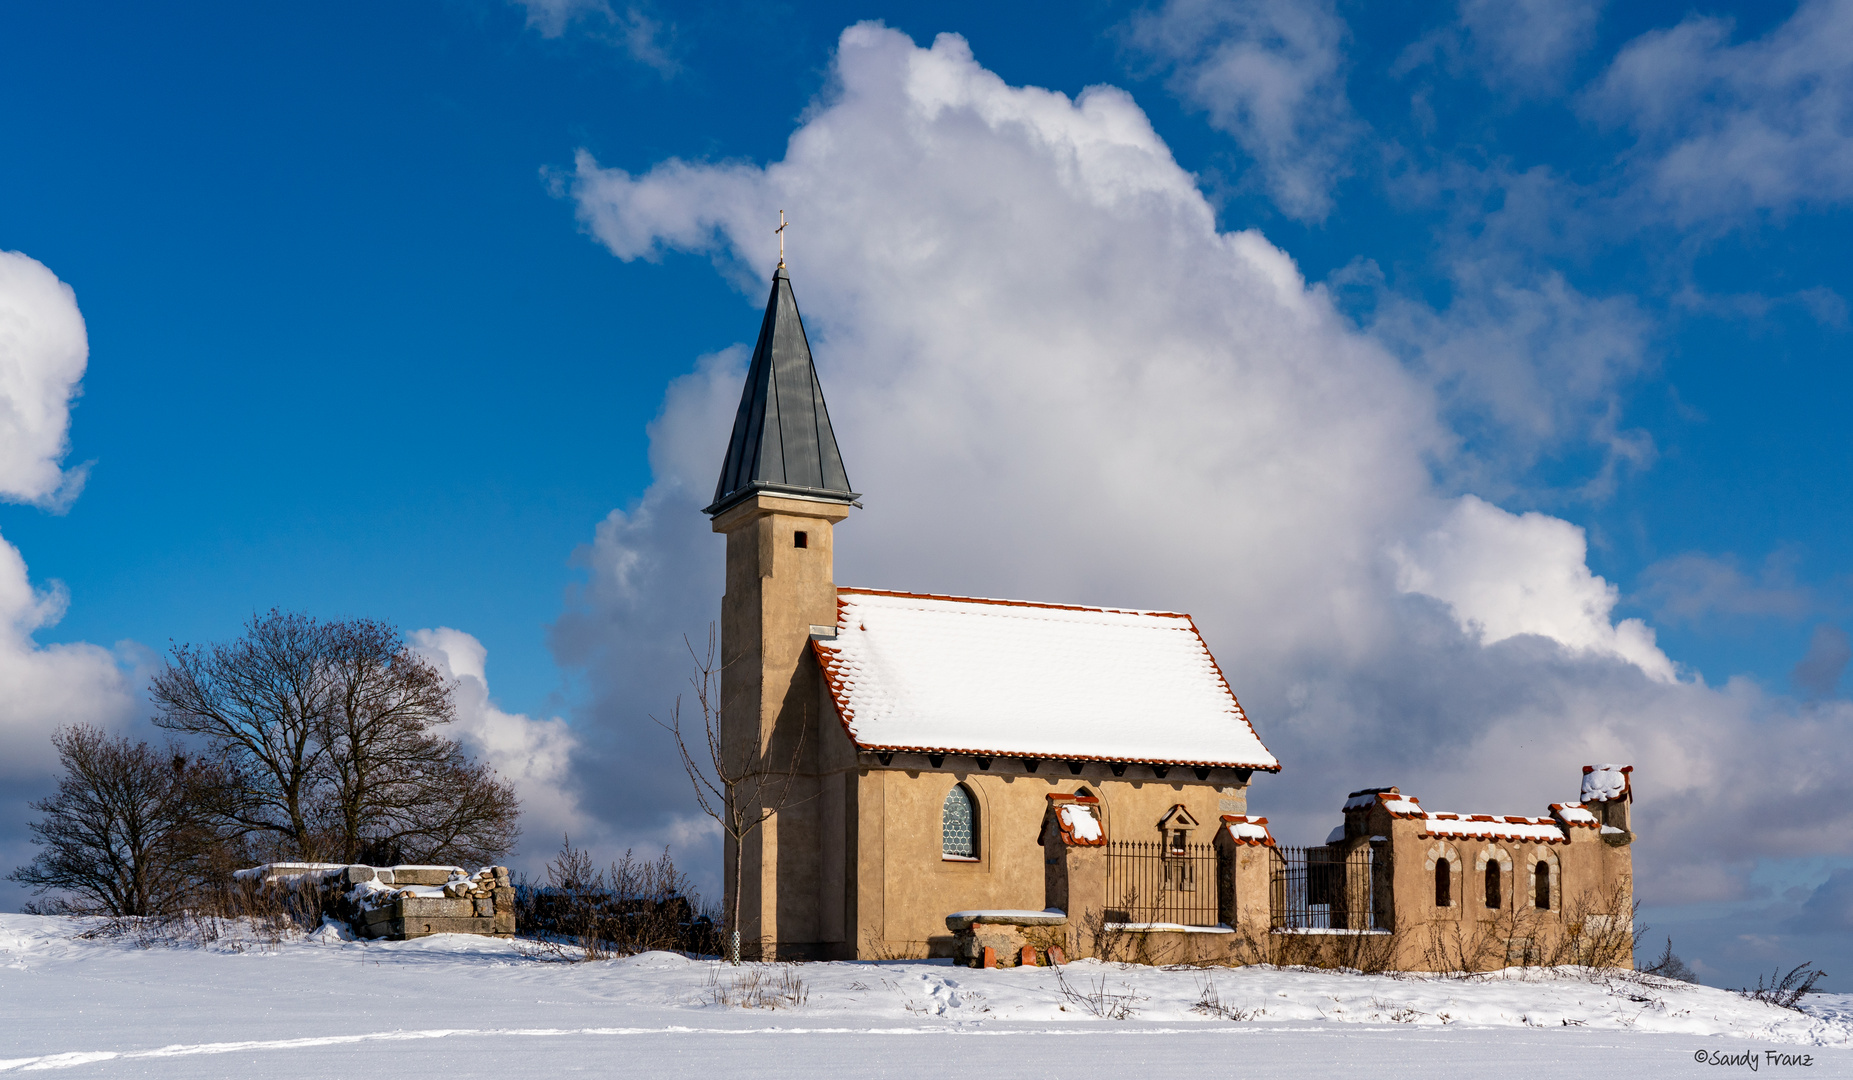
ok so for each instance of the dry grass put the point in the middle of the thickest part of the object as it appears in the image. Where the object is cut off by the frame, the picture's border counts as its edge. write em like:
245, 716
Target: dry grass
894, 950
758, 986
1097, 1001
235, 915
1210, 1003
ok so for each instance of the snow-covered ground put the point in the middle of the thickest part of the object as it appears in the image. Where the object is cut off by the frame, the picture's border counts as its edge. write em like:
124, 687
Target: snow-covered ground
465, 1006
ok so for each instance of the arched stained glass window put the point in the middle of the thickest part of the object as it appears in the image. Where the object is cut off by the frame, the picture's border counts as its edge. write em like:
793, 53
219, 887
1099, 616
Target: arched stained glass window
1443, 879
959, 824
1541, 887
1492, 885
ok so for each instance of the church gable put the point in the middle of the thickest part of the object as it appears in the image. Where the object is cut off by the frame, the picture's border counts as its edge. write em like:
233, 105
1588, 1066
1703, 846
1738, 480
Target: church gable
970, 676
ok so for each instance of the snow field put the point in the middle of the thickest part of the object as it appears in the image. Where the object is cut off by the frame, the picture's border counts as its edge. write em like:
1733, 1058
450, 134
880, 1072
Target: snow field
470, 1006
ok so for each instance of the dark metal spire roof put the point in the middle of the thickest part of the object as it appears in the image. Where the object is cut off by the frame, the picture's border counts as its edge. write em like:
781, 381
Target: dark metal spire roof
782, 443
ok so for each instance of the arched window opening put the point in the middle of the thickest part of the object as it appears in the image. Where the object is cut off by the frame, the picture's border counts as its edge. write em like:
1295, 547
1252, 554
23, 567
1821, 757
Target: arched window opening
959, 825
1444, 880
1492, 884
1541, 887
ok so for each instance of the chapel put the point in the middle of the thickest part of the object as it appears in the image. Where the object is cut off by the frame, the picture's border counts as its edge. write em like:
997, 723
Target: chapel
995, 779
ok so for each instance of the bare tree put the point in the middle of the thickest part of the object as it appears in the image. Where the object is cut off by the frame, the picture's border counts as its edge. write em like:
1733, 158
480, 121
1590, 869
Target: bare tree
129, 828
257, 702
741, 791
393, 788
331, 729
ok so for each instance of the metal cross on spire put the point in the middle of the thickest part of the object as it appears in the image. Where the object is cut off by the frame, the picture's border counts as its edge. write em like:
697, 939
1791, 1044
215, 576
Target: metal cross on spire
780, 233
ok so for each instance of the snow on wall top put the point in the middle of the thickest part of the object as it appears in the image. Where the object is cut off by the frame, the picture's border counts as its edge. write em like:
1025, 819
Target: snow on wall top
1488, 827
962, 675
1081, 821
1367, 798
1249, 830
1606, 783
1574, 814
1542, 830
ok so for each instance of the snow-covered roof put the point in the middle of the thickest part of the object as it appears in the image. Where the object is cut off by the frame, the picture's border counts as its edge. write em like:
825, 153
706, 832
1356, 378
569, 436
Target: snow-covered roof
1246, 830
1606, 783
947, 674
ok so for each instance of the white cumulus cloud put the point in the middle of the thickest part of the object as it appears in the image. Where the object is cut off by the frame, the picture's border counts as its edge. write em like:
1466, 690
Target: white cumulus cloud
1055, 379
1508, 574
1271, 74
536, 756
43, 350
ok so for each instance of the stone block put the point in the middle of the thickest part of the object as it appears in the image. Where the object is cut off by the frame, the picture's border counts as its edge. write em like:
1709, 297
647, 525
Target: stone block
484, 907
505, 920
417, 928
420, 875
354, 875
438, 907
504, 897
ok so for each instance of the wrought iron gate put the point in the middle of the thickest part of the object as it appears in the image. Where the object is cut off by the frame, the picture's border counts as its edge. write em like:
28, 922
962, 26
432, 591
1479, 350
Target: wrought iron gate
1323, 888
1162, 883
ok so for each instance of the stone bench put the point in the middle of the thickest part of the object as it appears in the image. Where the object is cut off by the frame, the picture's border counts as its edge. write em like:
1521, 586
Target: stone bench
1008, 938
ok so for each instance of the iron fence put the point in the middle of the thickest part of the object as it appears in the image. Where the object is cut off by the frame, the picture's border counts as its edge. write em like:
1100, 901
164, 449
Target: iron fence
1325, 888
1162, 883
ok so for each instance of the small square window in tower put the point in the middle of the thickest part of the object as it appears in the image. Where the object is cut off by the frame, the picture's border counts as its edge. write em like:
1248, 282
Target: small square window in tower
800, 539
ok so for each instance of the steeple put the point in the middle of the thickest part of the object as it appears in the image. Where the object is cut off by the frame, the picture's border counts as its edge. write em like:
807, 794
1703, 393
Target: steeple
782, 442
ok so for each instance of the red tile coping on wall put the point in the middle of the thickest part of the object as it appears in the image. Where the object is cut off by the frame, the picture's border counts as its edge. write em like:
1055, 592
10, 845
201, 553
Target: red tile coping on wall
1244, 819
1557, 809
1056, 802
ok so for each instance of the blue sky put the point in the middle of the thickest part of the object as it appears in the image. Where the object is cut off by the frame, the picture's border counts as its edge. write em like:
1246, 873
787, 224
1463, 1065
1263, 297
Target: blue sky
358, 345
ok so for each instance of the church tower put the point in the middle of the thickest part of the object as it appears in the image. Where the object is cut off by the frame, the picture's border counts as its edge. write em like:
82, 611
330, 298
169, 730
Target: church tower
782, 489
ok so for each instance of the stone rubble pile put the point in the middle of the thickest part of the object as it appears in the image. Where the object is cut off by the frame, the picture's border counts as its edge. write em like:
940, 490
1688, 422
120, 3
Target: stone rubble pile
399, 902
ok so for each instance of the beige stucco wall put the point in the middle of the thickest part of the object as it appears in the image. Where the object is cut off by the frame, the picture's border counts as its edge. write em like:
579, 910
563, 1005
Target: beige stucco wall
791, 879
916, 887
1588, 920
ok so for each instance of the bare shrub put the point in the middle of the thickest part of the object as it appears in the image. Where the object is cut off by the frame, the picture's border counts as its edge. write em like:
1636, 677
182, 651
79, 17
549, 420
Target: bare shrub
233, 913
1097, 1001
636, 905
1601, 929
1786, 991
759, 986
1669, 966
1109, 940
